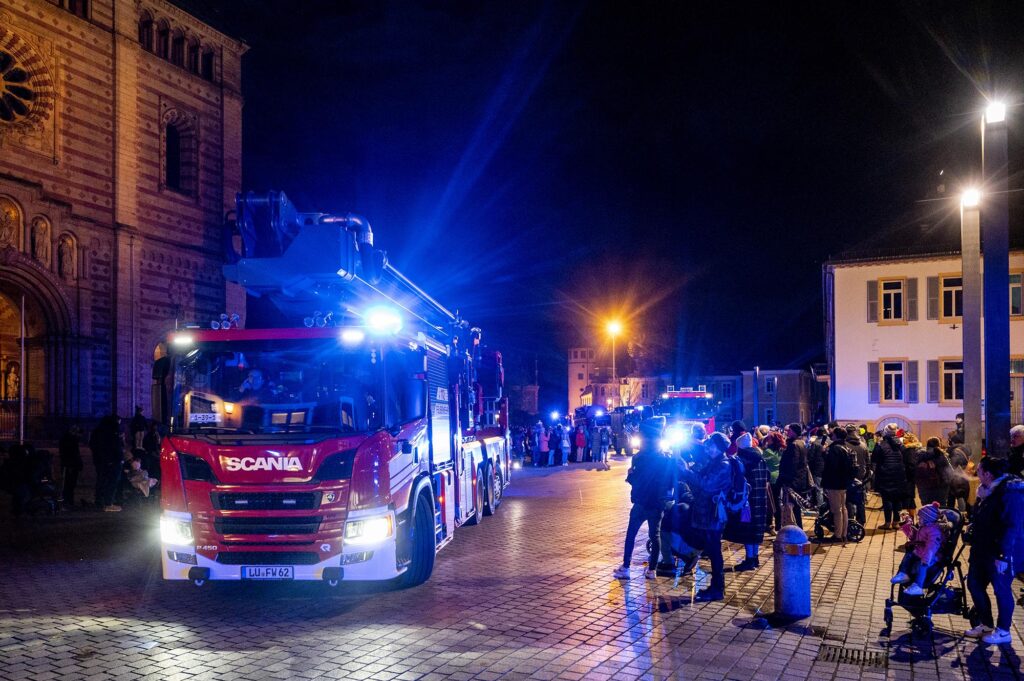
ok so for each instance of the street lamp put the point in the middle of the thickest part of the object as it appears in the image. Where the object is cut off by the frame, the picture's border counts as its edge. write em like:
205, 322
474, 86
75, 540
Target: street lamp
614, 328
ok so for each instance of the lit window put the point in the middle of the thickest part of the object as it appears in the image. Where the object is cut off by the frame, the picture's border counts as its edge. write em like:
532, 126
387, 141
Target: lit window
952, 296
1016, 294
952, 380
892, 381
892, 300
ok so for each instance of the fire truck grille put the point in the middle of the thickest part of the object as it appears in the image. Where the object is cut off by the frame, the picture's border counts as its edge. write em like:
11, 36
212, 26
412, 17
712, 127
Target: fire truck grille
299, 525
265, 501
268, 558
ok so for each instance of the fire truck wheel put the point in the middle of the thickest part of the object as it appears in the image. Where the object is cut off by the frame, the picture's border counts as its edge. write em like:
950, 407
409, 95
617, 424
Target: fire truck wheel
495, 484
421, 545
478, 500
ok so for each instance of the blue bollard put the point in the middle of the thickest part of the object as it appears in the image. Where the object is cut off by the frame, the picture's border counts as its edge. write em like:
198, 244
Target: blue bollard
792, 558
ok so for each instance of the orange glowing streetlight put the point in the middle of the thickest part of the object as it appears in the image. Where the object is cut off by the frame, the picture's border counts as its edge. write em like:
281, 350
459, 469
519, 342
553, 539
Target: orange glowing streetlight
614, 328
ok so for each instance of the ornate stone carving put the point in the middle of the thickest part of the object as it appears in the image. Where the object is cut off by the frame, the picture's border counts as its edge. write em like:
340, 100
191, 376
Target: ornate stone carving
10, 223
67, 258
41, 240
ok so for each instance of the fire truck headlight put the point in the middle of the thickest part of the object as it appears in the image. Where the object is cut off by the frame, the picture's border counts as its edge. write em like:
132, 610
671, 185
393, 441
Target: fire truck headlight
369, 530
674, 436
175, 531
634, 442
383, 320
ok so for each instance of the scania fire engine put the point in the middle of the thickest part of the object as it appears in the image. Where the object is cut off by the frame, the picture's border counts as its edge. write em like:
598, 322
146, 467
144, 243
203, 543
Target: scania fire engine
346, 440
682, 409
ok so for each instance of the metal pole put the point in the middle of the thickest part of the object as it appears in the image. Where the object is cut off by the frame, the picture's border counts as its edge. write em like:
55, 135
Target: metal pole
970, 248
775, 398
757, 386
995, 241
614, 379
22, 376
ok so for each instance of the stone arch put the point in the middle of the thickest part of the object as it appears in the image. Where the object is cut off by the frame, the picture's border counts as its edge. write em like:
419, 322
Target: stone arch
162, 44
55, 386
179, 151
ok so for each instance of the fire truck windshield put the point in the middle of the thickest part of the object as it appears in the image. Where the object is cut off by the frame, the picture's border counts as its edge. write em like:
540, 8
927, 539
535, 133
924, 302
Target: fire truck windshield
686, 407
279, 386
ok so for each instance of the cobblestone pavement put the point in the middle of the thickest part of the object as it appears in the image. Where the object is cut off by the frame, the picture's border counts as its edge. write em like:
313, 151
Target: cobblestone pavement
527, 594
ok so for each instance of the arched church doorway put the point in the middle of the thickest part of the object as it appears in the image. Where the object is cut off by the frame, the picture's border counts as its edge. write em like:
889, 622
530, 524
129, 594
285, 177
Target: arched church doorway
23, 374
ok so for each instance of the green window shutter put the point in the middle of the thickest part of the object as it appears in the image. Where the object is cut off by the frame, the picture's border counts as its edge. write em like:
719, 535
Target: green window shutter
912, 395
912, 300
872, 301
872, 382
933, 298
933, 380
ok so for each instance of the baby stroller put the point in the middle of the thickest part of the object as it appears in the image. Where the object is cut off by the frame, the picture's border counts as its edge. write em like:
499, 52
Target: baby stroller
824, 521
940, 597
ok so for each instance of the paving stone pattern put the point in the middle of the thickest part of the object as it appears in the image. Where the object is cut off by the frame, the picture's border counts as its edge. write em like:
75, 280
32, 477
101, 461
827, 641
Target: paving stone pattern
526, 595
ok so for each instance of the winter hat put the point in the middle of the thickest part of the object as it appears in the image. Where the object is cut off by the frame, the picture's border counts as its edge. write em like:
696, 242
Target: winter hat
852, 430
762, 431
718, 440
745, 441
796, 428
929, 514
891, 429
739, 427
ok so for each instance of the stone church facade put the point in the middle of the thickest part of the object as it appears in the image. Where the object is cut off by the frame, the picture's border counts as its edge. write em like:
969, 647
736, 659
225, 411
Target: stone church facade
120, 153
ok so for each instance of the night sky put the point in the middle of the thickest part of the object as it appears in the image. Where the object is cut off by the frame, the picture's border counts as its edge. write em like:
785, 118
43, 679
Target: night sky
544, 166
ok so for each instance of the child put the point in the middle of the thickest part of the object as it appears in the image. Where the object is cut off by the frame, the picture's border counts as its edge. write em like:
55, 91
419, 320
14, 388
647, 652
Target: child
924, 543
140, 479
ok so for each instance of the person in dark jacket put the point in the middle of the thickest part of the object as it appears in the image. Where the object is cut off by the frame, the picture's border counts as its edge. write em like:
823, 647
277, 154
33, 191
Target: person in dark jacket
710, 479
70, 464
653, 481
911, 448
890, 476
933, 473
793, 474
108, 456
837, 476
817, 443
750, 532
1016, 456
736, 429
959, 482
997, 550
862, 463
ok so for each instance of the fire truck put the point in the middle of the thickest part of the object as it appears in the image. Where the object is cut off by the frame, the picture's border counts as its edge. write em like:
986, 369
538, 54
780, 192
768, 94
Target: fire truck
345, 440
682, 409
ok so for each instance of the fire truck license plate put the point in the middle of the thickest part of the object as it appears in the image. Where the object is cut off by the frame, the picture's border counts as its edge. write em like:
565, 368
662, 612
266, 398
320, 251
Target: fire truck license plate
268, 572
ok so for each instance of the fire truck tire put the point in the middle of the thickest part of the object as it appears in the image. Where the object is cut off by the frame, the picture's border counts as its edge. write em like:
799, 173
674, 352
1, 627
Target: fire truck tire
421, 545
478, 500
495, 484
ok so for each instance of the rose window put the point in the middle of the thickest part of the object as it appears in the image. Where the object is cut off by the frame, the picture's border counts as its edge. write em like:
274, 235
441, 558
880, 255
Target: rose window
16, 92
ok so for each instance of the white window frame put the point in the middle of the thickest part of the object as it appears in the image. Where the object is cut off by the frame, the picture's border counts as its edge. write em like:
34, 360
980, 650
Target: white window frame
888, 311
769, 385
726, 389
1019, 285
889, 379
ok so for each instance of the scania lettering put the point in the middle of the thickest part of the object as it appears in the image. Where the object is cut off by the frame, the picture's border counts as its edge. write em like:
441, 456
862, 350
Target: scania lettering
345, 434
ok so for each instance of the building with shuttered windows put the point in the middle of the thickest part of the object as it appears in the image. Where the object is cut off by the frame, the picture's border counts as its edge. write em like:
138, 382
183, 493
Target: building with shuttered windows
894, 340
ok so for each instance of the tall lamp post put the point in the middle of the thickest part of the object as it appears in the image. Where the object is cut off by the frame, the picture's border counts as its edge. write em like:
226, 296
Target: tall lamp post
995, 241
614, 328
970, 252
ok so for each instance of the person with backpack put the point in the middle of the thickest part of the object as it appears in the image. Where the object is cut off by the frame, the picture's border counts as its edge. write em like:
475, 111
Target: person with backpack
748, 523
890, 476
862, 475
997, 548
653, 482
710, 480
932, 474
837, 475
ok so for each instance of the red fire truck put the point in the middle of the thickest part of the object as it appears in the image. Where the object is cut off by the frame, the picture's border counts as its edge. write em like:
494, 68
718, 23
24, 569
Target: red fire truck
347, 441
682, 409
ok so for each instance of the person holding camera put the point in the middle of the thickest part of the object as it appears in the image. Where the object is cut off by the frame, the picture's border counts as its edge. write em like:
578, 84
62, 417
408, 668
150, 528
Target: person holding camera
997, 549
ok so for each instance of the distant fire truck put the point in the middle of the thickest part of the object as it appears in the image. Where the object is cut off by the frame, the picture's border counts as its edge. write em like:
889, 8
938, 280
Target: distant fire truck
682, 409
348, 441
